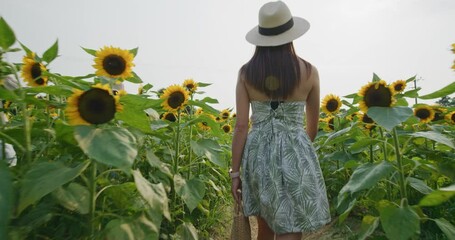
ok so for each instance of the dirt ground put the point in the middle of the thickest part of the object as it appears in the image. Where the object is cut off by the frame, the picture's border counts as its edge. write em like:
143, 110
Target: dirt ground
332, 231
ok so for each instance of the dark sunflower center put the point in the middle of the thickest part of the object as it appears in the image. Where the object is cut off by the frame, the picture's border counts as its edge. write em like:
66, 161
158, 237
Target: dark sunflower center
331, 124
423, 113
332, 105
226, 129
380, 97
170, 117
437, 116
205, 123
36, 74
114, 64
367, 119
190, 86
96, 106
398, 87
452, 117
225, 115
176, 99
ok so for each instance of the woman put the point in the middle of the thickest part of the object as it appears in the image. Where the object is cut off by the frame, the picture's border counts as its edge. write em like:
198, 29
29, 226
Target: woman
281, 180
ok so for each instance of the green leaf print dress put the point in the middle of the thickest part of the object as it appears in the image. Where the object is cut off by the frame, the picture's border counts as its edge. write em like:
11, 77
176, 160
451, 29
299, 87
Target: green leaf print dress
281, 177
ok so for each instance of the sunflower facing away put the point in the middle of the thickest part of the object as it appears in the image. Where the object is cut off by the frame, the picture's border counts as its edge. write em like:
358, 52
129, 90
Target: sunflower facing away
97, 105
169, 116
451, 117
424, 113
398, 86
114, 62
190, 85
331, 104
376, 94
366, 120
32, 71
330, 123
175, 97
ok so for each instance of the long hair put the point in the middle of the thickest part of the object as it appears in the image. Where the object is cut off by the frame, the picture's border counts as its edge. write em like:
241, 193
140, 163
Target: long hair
274, 71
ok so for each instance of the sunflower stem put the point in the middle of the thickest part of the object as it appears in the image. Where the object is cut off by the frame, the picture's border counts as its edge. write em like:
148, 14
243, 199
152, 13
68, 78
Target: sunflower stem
92, 204
371, 151
384, 150
400, 167
177, 144
190, 151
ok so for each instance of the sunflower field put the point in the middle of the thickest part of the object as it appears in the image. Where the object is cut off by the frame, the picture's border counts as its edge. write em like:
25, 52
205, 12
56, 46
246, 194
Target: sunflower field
83, 159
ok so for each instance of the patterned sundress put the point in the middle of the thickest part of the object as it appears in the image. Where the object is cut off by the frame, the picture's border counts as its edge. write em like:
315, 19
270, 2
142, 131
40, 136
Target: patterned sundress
281, 177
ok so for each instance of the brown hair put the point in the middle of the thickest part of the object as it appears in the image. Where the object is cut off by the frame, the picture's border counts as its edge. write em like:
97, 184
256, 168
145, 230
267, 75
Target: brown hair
274, 71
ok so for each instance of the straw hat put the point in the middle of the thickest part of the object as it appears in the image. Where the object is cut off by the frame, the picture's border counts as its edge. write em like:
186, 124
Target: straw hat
276, 26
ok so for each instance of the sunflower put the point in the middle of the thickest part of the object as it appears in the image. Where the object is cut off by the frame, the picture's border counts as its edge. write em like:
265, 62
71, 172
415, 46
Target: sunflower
225, 114
226, 128
330, 121
169, 116
331, 104
450, 117
425, 113
199, 111
95, 106
190, 85
175, 97
376, 94
32, 71
438, 113
114, 62
234, 115
398, 86
366, 120
204, 125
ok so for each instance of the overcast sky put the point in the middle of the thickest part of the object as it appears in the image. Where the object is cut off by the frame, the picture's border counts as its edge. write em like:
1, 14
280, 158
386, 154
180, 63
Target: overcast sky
205, 39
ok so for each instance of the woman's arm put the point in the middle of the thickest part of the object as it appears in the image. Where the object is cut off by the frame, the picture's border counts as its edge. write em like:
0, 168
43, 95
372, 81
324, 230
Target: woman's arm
312, 107
240, 132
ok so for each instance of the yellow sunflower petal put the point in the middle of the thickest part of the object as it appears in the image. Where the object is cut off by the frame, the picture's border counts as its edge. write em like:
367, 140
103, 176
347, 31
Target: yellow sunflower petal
114, 62
331, 104
175, 98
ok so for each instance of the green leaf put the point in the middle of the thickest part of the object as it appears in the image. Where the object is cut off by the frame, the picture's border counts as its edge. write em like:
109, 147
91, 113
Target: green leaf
154, 194
134, 51
191, 191
369, 224
419, 185
134, 79
399, 223
201, 84
376, 78
435, 136
187, 231
74, 197
8, 95
204, 106
366, 176
438, 197
210, 149
61, 90
90, 51
6, 199
44, 178
132, 229
445, 91
209, 100
446, 227
412, 93
112, 146
389, 117
7, 37
133, 111
50, 54
26, 49
363, 143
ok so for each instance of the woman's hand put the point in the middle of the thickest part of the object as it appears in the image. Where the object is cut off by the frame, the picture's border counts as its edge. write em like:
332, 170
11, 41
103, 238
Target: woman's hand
236, 188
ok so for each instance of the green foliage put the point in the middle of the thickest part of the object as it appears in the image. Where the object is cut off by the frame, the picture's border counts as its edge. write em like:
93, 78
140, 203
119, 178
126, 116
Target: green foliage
7, 37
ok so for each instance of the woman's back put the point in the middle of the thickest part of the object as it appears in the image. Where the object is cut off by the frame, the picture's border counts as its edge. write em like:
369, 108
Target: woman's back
300, 93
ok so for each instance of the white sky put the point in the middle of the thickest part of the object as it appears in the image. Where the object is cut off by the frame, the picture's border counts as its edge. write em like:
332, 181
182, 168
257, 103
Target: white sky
204, 39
